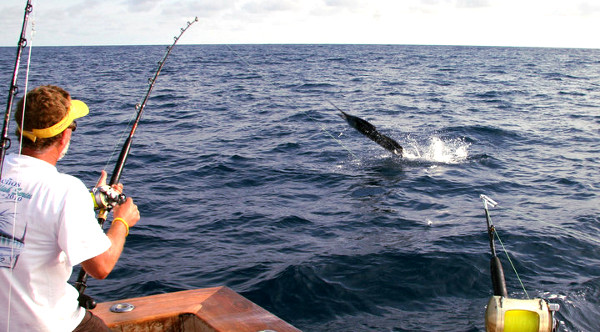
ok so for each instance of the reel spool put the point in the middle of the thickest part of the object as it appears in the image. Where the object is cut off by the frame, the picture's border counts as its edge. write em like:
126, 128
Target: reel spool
105, 197
516, 315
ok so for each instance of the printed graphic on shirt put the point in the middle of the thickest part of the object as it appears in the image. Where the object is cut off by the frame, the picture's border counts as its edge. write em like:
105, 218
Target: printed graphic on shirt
12, 232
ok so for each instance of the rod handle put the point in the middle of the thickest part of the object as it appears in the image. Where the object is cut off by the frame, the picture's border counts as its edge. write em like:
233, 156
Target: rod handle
498, 281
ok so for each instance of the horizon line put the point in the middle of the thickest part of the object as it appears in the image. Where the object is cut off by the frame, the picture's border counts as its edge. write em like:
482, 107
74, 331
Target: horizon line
320, 44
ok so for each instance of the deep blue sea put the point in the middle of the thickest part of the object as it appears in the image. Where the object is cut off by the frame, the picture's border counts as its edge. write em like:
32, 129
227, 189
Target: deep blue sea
246, 176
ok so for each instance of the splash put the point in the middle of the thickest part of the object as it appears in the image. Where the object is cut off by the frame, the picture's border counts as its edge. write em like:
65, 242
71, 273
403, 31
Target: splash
452, 151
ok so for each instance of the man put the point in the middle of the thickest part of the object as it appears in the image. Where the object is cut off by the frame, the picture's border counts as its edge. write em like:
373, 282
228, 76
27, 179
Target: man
47, 222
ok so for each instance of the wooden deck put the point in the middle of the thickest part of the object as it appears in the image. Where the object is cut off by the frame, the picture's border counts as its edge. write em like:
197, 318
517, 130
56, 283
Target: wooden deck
206, 309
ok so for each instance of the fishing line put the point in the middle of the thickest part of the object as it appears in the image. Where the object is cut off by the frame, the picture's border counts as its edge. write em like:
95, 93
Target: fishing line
498, 280
6, 140
140, 106
329, 134
565, 230
32, 34
511, 263
118, 143
13, 90
530, 314
574, 233
289, 99
104, 197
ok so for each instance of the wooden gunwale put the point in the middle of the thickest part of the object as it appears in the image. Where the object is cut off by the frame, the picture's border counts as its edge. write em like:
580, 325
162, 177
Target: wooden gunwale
205, 309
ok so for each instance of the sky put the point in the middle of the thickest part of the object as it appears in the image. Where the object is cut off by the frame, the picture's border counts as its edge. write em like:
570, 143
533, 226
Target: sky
528, 23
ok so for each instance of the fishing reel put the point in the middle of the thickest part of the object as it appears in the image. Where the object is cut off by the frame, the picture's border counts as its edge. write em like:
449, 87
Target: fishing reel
106, 198
517, 315
504, 314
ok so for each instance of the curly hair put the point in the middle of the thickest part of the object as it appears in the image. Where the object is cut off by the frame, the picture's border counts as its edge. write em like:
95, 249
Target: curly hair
43, 107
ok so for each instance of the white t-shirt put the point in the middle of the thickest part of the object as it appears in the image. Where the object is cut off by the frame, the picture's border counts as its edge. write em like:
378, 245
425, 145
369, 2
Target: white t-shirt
47, 225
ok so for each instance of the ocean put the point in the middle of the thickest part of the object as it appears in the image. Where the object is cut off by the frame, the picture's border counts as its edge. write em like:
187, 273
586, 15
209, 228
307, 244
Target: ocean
246, 176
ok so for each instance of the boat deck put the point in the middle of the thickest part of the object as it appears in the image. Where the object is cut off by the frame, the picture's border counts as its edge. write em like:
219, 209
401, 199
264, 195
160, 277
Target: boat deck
206, 309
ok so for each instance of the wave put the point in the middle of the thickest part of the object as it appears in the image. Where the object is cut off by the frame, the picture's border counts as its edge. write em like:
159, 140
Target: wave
475, 133
299, 288
314, 87
376, 285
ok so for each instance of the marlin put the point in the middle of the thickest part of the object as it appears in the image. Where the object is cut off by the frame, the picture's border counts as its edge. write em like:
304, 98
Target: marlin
369, 130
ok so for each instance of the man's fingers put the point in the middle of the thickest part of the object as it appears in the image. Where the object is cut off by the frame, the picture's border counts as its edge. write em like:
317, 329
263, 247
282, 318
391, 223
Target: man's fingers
102, 179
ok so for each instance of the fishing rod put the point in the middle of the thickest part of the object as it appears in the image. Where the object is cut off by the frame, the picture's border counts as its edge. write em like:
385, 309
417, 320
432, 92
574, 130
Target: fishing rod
496, 270
13, 90
505, 314
105, 198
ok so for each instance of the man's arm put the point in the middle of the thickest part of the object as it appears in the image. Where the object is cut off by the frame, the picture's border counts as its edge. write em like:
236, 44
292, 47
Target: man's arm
100, 266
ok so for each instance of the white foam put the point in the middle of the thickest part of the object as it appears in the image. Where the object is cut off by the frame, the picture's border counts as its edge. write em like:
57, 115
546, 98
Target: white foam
451, 151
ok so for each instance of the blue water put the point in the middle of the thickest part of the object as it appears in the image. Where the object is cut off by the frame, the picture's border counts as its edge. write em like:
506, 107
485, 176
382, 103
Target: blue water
246, 177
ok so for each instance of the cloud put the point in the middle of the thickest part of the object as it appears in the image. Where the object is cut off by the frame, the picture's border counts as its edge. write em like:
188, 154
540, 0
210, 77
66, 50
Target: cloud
472, 3
142, 5
11, 23
588, 9
85, 6
200, 8
269, 6
346, 4
471, 22
438, 6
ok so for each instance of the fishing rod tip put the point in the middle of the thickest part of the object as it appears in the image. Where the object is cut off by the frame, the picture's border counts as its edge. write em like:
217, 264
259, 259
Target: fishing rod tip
488, 200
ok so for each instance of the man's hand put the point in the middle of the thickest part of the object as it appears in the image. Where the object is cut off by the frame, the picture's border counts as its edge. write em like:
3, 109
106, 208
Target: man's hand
128, 211
102, 182
100, 266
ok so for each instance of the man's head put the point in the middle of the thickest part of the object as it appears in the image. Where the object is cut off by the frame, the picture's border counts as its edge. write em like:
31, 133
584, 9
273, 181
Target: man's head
44, 114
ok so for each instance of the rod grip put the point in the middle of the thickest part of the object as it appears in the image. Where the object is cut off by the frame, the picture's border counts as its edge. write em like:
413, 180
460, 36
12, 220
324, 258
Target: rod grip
498, 281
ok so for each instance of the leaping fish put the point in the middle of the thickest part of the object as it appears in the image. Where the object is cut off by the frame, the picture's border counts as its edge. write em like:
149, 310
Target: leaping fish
369, 130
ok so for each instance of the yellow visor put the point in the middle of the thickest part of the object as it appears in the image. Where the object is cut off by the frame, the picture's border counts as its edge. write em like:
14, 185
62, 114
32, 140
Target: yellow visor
77, 110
